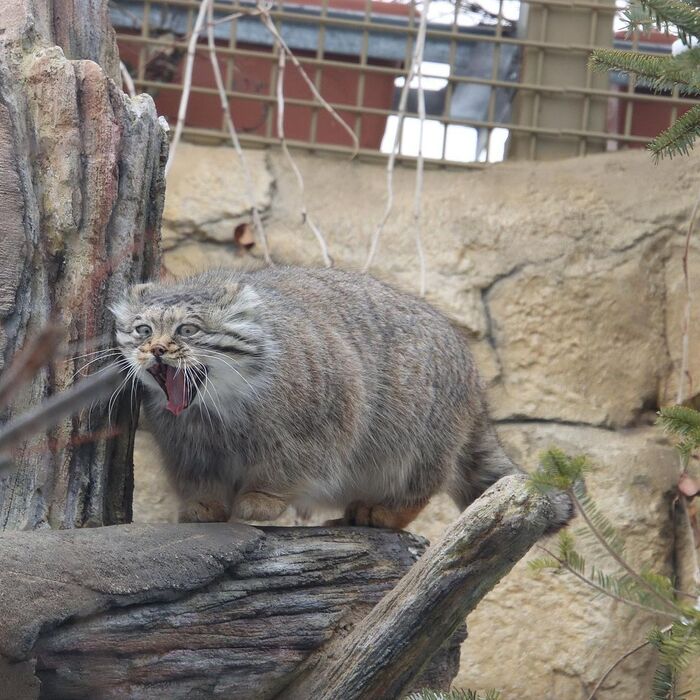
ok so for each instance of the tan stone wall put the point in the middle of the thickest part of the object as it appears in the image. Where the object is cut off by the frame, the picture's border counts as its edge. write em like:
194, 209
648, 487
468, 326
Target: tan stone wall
567, 277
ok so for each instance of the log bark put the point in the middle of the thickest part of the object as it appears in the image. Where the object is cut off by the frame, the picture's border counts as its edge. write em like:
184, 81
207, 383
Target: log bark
221, 610
189, 611
81, 195
380, 659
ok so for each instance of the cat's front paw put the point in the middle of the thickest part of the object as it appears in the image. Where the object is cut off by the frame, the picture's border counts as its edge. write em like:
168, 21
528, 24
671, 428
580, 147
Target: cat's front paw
256, 505
203, 512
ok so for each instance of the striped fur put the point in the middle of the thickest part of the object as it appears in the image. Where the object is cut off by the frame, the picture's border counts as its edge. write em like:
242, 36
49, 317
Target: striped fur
317, 388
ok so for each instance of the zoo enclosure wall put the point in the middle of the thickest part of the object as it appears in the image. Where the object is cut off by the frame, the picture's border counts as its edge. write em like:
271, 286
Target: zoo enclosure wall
487, 76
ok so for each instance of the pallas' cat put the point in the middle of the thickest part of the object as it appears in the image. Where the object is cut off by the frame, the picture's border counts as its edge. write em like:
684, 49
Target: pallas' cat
315, 388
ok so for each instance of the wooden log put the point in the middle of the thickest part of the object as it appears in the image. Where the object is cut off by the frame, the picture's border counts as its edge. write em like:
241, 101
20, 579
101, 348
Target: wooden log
189, 611
81, 195
220, 610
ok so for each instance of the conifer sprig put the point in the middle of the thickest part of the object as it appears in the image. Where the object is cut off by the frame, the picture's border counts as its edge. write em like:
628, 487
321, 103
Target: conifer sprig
645, 590
455, 694
664, 72
683, 15
683, 423
679, 138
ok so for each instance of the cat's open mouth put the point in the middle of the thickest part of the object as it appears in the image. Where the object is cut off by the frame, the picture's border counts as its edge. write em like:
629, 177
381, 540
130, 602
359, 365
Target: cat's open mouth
179, 388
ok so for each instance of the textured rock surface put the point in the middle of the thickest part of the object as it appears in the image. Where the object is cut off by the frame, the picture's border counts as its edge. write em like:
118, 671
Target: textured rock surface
208, 199
568, 278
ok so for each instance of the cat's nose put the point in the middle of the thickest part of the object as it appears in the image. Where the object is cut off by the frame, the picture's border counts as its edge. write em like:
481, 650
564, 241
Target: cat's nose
159, 350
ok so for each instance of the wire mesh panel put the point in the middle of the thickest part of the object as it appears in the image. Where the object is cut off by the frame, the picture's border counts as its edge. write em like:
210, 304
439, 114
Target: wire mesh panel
500, 78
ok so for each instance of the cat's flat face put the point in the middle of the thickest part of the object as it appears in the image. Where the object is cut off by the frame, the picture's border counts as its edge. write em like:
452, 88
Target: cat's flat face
189, 345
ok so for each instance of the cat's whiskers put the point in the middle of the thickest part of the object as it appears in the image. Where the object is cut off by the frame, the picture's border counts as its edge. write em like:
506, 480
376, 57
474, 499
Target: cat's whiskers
130, 375
88, 354
212, 354
103, 356
205, 386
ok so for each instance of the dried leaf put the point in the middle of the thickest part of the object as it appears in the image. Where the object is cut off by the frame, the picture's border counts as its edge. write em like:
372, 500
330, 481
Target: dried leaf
243, 236
688, 486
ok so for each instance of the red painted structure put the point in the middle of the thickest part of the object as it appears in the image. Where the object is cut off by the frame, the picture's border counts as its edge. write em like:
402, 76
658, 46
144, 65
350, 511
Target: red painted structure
648, 118
254, 76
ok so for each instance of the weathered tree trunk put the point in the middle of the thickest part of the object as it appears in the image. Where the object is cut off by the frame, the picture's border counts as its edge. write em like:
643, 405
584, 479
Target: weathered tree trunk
81, 194
230, 611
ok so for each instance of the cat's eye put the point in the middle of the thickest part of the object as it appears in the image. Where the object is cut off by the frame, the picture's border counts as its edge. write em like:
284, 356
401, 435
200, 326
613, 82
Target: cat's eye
143, 330
187, 329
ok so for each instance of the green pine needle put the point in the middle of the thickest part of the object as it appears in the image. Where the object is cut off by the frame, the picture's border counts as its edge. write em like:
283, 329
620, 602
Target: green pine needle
454, 695
558, 471
603, 527
683, 423
658, 72
681, 14
663, 73
679, 138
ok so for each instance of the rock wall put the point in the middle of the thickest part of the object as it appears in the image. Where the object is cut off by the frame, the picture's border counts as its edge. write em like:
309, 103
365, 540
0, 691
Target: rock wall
567, 277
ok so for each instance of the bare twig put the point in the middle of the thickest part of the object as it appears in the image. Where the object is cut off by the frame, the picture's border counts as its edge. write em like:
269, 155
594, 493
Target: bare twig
418, 197
247, 178
684, 374
401, 114
267, 21
186, 84
29, 360
59, 406
127, 79
680, 396
281, 62
620, 660
236, 15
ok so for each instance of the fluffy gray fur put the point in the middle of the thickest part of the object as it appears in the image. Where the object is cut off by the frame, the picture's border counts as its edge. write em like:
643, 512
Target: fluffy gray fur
318, 388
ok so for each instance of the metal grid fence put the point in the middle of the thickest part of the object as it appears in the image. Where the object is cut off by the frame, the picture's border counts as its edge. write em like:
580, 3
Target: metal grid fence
517, 71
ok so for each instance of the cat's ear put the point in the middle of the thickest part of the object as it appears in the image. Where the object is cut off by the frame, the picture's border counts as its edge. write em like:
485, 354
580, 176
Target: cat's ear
136, 293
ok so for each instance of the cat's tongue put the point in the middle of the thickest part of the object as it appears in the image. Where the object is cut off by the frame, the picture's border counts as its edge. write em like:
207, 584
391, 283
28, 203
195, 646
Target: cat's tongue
176, 390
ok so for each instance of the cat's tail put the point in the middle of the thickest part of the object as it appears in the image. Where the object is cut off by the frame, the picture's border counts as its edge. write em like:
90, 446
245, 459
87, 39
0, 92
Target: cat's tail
482, 462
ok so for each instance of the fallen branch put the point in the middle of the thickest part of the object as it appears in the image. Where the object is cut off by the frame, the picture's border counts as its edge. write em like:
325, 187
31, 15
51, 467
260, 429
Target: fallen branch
59, 406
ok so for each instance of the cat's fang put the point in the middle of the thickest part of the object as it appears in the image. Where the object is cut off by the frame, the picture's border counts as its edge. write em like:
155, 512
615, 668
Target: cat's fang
173, 382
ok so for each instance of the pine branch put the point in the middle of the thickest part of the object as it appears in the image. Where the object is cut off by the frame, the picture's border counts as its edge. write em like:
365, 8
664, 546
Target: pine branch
677, 646
679, 138
603, 538
454, 694
558, 471
661, 72
563, 565
684, 423
683, 15
624, 656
